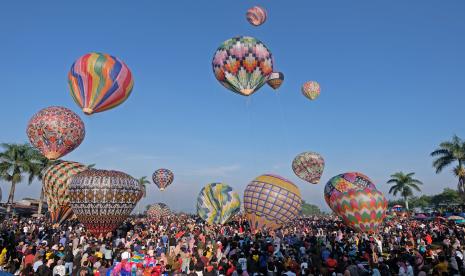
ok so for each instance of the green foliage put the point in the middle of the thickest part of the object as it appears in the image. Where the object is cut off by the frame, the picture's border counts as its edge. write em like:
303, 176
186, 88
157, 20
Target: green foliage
310, 209
447, 196
448, 153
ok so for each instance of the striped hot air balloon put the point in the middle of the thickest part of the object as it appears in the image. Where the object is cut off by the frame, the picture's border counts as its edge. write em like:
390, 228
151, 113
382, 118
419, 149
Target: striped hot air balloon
56, 184
363, 210
103, 199
99, 82
256, 16
344, 182
271, 201
55, 131
217, 203
242, 64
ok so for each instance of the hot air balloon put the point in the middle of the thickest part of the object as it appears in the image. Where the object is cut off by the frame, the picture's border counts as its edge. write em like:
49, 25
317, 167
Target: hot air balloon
363, 210
56, 184
308, 166
103, 199
271, 201
55, 131
99, 82
344, 182
256, 15
242, 64
217, 203
311, 90
158, 210
162, 178
275, 80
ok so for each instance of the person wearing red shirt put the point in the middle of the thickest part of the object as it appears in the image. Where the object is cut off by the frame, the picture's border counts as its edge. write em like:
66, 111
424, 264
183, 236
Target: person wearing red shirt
331, 263
428, 239
29, 258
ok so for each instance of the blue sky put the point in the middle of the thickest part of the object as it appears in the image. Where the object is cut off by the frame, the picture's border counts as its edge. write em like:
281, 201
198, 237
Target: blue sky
391, 73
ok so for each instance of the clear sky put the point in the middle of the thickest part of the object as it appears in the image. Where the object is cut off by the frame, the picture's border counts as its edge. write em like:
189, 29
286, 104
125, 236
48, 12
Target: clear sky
392, 75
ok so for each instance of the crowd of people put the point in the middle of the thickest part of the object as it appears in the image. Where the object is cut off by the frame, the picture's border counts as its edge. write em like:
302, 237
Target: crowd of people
183, 245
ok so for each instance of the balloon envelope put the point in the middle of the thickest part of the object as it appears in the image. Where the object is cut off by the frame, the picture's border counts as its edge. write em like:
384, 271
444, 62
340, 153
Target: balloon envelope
217, 203
162, 178
158, 210
363, 210
99, 82
55, 131
256, 15
275, 80
242, 64
271, 201
308, 166
344, 182
103, 199
56, 181
311, 90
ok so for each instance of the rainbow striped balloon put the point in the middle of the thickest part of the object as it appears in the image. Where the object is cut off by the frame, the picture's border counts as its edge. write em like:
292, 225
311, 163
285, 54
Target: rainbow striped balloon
99, 82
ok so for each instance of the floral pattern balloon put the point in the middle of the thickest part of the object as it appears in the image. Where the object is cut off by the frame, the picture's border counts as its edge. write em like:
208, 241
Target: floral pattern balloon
55, 131
308, 166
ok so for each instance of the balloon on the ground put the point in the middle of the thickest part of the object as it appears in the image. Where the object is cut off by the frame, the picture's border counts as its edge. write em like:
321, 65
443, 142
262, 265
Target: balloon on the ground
242, 64
99, 82
158, 210
275, 80
55, 131
56, 182
344, 182
162, 178
103, 199
311, 90
309, 166
271, 201
363, 210
256, 15
217, 203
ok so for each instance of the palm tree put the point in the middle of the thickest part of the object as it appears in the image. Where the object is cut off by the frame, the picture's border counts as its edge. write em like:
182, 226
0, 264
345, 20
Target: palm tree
450, 152
15, 161
143, 182
403, 184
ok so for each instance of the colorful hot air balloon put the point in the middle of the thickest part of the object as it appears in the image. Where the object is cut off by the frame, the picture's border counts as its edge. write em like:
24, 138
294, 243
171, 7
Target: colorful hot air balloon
344, 182
55, 131
56, 184
99, 82
242, 64
158, 210
311, 90
162, 178
256, 15
275, 80
103, 199
217, 203
363, 210
271, 201
308, 166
